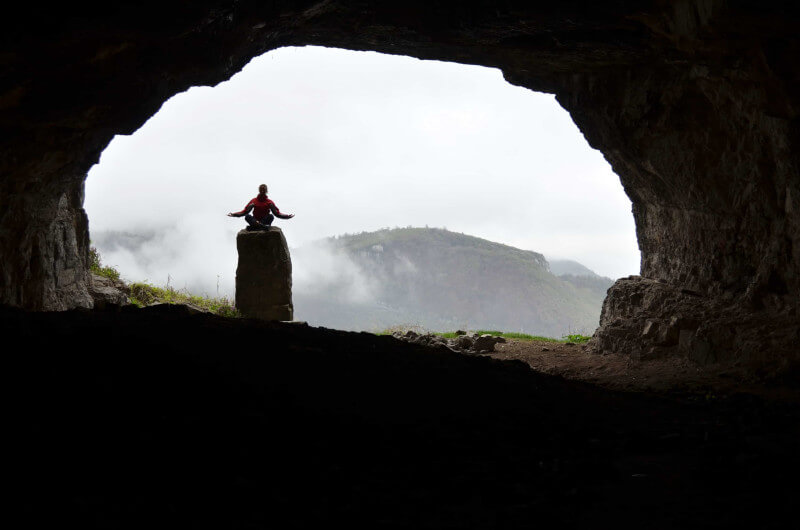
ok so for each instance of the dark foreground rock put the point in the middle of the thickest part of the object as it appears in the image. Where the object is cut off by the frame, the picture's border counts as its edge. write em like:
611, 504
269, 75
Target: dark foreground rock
135, 418
264, 275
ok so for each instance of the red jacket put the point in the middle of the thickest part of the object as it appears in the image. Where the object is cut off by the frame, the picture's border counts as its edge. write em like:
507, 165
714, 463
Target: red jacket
261, 207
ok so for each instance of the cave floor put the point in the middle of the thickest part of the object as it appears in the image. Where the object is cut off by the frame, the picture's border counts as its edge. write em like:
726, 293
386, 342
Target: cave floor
157, 417
674, 376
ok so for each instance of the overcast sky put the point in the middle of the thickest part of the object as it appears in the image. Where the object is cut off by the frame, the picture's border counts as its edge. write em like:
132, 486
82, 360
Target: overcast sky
351, 142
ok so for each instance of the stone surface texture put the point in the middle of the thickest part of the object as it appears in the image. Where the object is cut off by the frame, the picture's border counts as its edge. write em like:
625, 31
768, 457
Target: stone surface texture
106, 292
693, 102
264, 275
462, 343
652, 319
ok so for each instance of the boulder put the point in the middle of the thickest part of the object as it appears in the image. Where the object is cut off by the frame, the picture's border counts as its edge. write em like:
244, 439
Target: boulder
486, 342
106, 292
463, 342
264, 275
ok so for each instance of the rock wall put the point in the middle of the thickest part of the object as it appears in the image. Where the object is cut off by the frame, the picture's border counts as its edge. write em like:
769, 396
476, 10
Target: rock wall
709, 156
695, 103
44, 239
651, 319
264, 275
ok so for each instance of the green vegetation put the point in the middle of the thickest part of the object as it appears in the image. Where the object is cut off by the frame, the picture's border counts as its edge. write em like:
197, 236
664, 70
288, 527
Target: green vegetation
445, 280
96, 266
142, 294
419, 242
577, 339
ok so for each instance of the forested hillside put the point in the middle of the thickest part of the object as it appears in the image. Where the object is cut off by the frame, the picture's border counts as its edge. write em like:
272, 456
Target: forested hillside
442, 280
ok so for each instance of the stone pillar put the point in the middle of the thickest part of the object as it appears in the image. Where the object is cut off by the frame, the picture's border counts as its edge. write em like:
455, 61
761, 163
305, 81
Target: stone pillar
264, 275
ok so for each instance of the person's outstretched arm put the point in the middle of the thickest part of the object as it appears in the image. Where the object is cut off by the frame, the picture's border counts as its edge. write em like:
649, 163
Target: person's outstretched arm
247, 210
277, 212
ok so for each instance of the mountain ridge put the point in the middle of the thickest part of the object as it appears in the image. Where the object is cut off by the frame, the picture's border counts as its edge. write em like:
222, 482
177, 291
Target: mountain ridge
438, 279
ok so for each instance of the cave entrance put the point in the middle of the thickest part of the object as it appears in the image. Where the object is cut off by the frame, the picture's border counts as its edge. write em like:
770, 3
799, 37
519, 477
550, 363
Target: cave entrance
356, 142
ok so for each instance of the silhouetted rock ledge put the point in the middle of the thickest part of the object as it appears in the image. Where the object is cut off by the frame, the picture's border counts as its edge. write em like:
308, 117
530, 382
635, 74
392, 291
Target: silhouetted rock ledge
264, 275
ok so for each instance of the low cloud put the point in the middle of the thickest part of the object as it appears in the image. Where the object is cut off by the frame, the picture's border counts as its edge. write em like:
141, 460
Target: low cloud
320, 270
193, 254
186, 256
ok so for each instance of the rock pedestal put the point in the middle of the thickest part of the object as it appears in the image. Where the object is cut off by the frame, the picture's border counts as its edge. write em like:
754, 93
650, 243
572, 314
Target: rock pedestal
264, 275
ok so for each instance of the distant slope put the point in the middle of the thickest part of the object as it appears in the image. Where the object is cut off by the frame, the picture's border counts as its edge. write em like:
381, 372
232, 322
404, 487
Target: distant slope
439, 280
581, 277
560, 267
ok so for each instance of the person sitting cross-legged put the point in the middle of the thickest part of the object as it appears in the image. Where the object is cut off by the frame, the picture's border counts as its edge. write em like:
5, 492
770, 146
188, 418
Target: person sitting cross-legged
262, 208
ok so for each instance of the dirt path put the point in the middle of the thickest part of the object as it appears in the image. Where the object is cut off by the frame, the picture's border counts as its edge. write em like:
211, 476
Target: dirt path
622, 372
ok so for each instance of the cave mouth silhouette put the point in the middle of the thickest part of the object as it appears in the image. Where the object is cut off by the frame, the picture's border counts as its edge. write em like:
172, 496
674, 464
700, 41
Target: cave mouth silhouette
357, 142
692, 105
161, 416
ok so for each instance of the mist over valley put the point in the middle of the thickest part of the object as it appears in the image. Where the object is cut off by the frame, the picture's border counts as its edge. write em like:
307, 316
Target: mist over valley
430, 278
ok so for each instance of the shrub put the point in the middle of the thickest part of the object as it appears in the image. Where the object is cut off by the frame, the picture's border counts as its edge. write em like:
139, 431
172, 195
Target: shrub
576, 338
96, 266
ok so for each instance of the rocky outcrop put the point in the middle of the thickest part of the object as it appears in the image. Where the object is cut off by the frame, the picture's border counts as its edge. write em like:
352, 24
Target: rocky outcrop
264, 275
651, 319
462, 343
106, 292
44, 248
708, 156
696, 104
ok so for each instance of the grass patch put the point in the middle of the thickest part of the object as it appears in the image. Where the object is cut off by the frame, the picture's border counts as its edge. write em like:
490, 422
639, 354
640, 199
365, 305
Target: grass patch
143, 294
96, 266
576, 338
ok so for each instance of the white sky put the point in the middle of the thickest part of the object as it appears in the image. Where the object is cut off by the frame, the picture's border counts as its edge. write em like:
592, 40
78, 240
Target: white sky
358, 141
